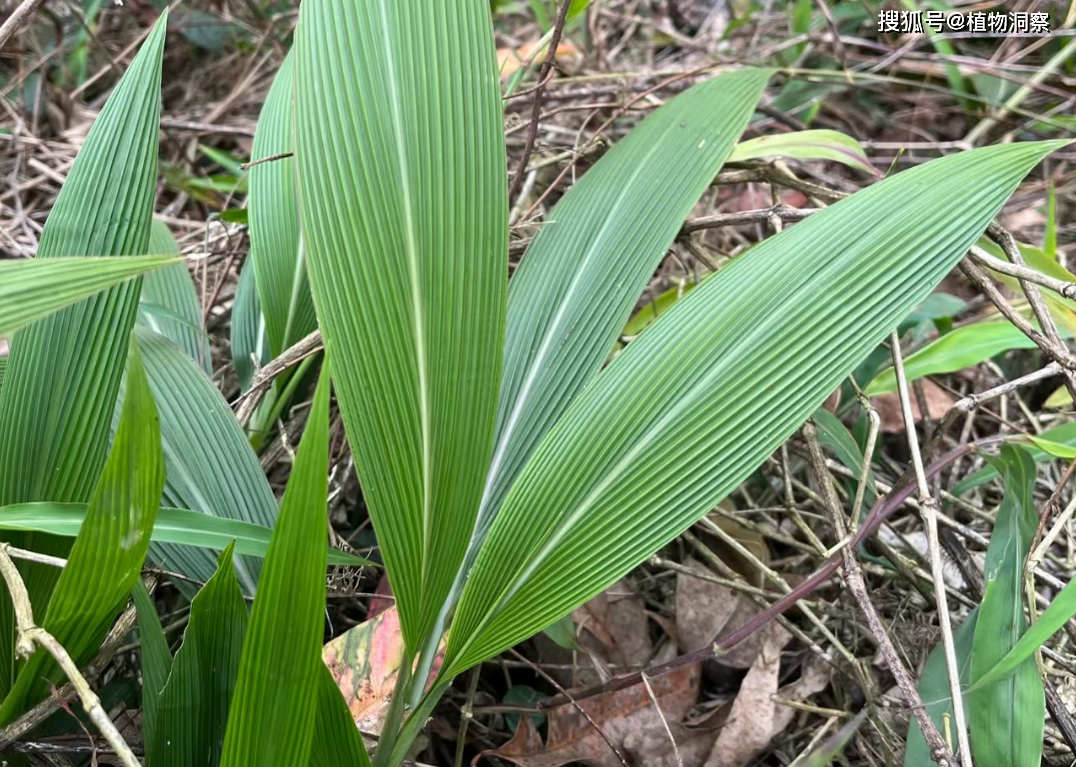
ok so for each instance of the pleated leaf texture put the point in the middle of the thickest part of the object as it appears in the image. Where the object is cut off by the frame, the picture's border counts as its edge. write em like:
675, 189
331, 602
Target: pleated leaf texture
271, 718
211, 465
170, 304
582, 276
401, 167
275, 245
63, 372
716, 384
35, 288
192, 706
107, 557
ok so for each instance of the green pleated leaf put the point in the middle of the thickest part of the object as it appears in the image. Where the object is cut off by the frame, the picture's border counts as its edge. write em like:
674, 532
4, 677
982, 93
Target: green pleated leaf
716, 384
249, 340
806, 145
34, 288
63, 372
935, 691
401, 164
108, 554
156, 657
273, 713
1006, 717
211, 466
275, 246
171, 289
584, 273
962, 348
179, 526
336, 738
192, 711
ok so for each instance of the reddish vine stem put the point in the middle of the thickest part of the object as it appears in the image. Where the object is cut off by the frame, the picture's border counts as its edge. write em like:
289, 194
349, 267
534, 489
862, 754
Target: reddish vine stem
544, 76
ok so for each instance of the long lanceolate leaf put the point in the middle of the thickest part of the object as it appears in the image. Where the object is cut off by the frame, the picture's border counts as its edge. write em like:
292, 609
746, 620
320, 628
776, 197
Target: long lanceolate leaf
275, 245
170, 302
580, 280
108, 554
192, 710
401, 166
1006, 717
34, 288
211, 466
272, 716
64, 371
179, 526
699, 400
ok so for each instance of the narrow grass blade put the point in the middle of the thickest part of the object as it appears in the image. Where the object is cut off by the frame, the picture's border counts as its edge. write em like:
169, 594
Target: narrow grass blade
177, 526
156, 657
108, 554
582, 276
35, 288
273, 712
935, 691
1052, 620
1006, 717
962, 348
401, 167
275, 247
806, 145
211, 466
173, 289
1065, 434
714, 386
192, 710
336, 738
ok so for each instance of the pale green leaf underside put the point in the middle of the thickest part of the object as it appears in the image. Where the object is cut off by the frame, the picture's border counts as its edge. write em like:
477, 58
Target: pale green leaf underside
401, 167
35, 288
806, 145
283, 290
249, 339
580, 279
172, 289
179, 526
211, 467
700, 399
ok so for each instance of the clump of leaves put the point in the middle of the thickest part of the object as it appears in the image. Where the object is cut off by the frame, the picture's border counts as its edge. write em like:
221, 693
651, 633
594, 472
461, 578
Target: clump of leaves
509, 472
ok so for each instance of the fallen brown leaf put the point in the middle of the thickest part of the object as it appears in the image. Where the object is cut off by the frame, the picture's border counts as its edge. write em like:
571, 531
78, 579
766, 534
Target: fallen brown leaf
629, 720
888, 406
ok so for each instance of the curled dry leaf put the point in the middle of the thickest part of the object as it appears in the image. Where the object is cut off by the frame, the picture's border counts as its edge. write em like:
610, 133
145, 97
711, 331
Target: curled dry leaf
614, 625
511, 59
365, 662
757, 714
629, 720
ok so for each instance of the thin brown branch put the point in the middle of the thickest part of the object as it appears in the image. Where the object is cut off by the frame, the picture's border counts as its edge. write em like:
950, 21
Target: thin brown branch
18, 19
29, 636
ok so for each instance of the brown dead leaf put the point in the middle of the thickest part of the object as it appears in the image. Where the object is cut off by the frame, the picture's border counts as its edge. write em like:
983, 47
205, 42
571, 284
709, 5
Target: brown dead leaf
627, 718
888, 406
614, 625
758, 713
511, 59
